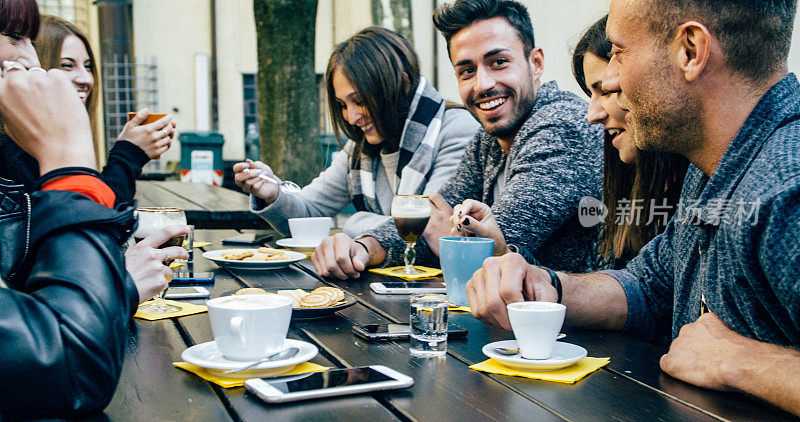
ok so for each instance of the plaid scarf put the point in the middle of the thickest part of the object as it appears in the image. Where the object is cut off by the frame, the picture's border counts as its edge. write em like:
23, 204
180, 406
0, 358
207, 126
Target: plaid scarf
417, 152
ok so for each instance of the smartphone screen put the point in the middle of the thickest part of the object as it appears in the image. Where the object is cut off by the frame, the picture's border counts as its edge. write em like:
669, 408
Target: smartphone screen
414, 285
330, 379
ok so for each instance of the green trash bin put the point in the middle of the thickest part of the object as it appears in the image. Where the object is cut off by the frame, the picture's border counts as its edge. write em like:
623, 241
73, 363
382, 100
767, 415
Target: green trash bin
201, 157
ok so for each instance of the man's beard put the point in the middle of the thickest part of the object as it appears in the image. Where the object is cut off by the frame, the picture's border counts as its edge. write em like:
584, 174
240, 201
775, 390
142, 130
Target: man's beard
671, 123
520, 115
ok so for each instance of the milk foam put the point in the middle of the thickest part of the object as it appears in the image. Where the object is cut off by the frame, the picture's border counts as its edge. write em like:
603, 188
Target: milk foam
412, 213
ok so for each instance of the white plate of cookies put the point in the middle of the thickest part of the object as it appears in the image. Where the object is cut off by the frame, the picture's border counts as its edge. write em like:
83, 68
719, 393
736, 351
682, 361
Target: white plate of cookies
254, 259
307, 304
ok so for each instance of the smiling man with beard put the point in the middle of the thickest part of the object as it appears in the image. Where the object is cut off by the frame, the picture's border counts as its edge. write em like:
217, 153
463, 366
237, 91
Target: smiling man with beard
707, 79
535, 157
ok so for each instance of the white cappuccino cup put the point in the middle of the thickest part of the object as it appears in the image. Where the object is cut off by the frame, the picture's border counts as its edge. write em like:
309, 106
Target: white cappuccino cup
249, 327
310, 229
536, 326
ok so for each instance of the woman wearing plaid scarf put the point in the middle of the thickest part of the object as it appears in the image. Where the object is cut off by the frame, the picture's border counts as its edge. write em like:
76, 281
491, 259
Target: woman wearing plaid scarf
403, 139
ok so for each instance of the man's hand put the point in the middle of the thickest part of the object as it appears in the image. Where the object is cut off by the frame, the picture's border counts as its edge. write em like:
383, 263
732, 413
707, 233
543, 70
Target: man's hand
341, 257
439, 223
145, 262
44, 116
698, 353
153, 138
473, 217
503, 280
251, 183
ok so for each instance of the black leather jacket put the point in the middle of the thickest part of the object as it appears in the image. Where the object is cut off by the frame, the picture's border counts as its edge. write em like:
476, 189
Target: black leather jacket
64, 315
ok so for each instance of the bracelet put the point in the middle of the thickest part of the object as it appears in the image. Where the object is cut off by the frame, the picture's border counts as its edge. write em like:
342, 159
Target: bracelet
554, 281
362, 244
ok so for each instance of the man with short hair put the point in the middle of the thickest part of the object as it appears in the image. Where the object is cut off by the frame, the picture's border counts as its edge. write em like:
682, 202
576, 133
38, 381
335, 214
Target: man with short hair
707, 79
534, 158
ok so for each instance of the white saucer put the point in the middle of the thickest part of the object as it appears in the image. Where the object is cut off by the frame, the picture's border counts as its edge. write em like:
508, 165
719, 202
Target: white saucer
208, 356
216, 256
292, 243
564, 354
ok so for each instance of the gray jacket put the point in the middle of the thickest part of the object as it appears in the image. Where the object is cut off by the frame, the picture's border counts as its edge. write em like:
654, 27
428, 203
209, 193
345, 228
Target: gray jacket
329, 192
555, 160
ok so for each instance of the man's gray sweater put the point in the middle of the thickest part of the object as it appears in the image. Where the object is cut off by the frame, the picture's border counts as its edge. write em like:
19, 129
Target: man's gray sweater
555, 160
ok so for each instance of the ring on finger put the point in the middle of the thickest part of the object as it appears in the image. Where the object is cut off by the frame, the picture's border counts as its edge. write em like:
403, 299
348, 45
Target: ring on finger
9, 65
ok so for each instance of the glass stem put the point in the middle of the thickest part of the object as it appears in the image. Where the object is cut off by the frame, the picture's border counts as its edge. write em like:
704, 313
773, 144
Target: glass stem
409, 256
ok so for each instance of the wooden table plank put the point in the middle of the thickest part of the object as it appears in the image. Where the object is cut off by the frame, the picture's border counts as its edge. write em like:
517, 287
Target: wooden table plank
618, 397
152, 389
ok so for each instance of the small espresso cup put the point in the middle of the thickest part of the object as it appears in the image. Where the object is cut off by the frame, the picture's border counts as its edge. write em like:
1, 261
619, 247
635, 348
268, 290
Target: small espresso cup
310, 229
249, 327
460, 257
536, 326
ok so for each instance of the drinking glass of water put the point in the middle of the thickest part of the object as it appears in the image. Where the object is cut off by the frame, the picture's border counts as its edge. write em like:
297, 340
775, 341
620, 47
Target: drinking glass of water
428, 325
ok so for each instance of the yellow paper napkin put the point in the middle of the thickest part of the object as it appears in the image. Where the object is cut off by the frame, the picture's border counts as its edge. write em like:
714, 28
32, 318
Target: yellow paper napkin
426, 272
175, 265
227, 382
186, 309
568, 375
459, 309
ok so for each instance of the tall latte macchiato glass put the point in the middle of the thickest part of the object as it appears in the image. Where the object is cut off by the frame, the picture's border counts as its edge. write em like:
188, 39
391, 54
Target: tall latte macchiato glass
411, 214
249, 327
152, 219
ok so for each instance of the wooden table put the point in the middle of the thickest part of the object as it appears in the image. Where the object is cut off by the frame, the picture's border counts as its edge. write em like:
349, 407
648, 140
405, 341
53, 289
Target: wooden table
206, 206
631, 387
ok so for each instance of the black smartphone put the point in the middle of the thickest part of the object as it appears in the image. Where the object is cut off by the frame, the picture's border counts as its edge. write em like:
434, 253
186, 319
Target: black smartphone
386, 332
248, 239
183, 278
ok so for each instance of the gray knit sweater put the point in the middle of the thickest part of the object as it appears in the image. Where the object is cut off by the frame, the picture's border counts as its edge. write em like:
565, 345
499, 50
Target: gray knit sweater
555, 160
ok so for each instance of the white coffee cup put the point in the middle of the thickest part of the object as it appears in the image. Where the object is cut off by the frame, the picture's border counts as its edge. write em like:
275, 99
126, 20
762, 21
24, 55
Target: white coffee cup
249, 327
536, 326
310, 229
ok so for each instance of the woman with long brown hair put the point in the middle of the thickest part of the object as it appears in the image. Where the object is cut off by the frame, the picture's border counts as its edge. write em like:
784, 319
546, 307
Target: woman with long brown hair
401, 139
640, 188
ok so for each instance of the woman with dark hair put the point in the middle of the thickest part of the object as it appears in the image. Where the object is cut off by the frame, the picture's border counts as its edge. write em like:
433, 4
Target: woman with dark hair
640, 188
402, 140
61, 45
65, 296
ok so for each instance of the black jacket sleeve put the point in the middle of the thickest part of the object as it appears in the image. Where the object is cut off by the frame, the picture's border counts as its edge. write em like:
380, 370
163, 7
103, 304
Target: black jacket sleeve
124, 166
63, 329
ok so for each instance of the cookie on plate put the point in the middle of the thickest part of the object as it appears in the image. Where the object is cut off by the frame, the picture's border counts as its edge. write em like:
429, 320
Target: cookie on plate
338, 294
316, 300
251, 291
235, 255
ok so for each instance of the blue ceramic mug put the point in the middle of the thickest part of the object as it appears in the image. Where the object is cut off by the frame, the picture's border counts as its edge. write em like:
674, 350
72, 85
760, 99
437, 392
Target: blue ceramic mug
460, 257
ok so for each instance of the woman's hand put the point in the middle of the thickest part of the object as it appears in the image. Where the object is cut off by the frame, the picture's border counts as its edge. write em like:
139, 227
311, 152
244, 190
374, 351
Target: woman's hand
154, 138
474, 218
251, 183
145, 262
